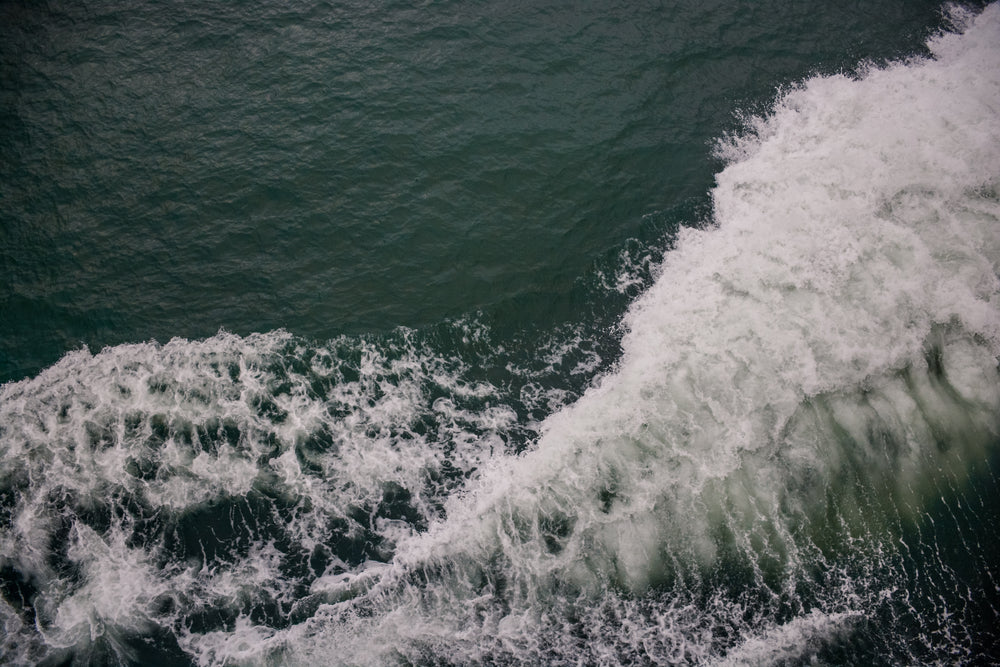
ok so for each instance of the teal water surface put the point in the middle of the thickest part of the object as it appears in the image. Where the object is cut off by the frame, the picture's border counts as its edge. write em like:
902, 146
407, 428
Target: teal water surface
170, 170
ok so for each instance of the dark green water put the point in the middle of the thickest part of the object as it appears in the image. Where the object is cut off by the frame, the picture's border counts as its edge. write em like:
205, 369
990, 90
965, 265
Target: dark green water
499, 333
173, 169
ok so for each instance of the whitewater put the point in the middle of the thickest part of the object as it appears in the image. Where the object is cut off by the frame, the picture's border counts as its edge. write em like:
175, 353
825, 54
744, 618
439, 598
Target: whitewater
792, 460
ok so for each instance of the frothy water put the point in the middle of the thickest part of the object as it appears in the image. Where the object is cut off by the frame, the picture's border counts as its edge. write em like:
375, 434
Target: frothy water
791, 461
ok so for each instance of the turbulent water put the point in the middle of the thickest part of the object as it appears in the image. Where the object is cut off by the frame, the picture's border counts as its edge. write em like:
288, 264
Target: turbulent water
784, 451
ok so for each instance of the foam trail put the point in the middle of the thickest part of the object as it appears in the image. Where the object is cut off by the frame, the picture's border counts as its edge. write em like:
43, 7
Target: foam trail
809, 372
152, 488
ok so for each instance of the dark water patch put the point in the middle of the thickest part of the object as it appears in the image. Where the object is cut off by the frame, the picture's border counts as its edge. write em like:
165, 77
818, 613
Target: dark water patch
344, 170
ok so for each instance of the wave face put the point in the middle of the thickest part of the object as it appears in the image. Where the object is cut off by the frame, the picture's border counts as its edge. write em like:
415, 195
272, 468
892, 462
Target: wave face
792, 461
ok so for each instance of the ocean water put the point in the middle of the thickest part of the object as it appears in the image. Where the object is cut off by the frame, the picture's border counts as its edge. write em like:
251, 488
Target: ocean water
500, 334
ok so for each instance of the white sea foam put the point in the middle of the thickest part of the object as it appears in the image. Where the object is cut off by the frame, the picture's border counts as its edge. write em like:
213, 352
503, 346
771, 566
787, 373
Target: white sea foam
176, 487
112, 462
